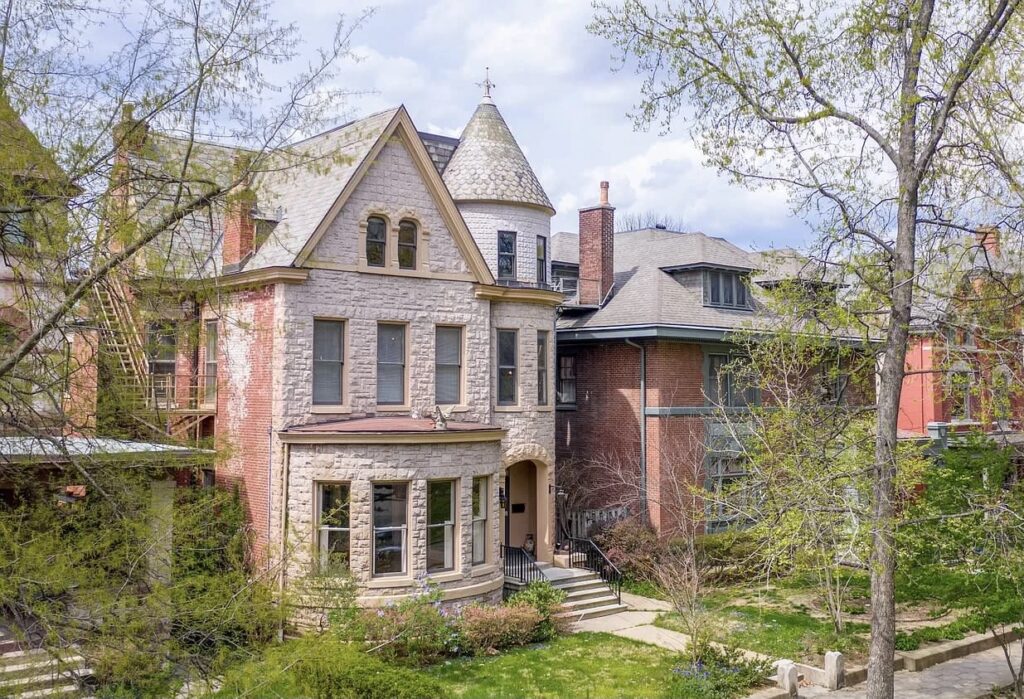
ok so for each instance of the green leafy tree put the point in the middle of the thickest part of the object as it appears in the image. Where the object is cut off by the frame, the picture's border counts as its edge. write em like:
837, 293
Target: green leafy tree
891, 125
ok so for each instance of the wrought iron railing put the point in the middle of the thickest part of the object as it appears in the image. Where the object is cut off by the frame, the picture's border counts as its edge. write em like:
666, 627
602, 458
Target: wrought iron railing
520, 565
584, 553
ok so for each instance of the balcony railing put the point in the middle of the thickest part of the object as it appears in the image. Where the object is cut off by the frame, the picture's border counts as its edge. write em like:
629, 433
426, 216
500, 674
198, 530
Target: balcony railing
182, 392
520, 284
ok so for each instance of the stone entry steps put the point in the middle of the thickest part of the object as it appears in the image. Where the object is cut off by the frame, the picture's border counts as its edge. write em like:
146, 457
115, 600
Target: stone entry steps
587, 596
34, 673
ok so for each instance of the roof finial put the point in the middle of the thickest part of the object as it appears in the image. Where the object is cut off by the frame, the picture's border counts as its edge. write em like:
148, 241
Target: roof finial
487, 84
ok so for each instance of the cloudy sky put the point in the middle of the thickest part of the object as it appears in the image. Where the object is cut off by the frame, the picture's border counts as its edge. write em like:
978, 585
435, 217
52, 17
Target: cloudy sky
558, 93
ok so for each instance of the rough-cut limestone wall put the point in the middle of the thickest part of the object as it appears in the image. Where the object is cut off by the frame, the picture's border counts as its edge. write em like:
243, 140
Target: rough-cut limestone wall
486, 219
392, 187
360, 465
364, 300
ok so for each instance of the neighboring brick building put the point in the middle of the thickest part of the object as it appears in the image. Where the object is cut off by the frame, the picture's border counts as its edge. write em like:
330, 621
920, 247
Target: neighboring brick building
964, 362
344, 303
642, 351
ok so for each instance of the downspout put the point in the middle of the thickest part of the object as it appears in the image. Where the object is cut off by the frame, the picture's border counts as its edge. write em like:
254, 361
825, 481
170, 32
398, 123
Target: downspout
287, 449
643, 427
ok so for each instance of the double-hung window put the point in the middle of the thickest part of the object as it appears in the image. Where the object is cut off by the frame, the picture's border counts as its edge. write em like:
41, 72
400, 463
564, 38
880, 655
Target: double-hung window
390, 364
542, 260
481, 499
447, 365
390, 528
542, 367
376, 241
723, 387
724, 500
507, 367
506, 255
407, 245
440, 525
333, 526
210, 365
567, 379
328, 361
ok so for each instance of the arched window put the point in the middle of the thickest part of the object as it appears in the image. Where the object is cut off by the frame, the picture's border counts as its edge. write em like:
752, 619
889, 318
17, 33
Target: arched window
407, 245
376, 241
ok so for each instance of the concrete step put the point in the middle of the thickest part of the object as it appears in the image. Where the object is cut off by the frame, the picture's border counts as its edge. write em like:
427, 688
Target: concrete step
580, 605
44, 662
595, 612
20, 656
578, 583
58, 691
587, 593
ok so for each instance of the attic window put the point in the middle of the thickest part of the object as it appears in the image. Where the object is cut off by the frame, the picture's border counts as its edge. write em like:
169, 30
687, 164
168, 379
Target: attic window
376, 241
725, 289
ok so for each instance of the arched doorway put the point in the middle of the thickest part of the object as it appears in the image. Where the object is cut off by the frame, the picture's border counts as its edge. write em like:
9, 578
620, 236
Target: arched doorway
528, 508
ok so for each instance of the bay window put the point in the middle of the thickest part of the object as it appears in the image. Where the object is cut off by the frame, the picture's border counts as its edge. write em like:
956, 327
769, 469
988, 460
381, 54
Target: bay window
440, 526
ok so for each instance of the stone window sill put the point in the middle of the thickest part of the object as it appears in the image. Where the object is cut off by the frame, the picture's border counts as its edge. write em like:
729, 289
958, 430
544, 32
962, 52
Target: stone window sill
483, 569
544, 409
384, 582
393, 408
330, 409
508, 408
445, 576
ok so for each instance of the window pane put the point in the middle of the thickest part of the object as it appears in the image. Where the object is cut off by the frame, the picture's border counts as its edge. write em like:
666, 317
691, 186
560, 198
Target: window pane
407, 245
542, 367
391, 343
479, 497
449, 345
448, 388
334, 500
390, 502
507, 243
407, 233
406, 257
389, 552
542, 259
327, 339
727, 288
506, 348
715, 384
327, 383
507, 386
479, 542
741, 292
376, 241
440, 548
334, 549
506, 267
714, 282
439, 502
390, 384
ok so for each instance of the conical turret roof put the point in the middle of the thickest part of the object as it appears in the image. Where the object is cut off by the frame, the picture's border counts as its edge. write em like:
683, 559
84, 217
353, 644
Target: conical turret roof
488, 164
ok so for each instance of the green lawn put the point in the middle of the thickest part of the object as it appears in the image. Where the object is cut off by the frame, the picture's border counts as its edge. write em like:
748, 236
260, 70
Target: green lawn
582, 665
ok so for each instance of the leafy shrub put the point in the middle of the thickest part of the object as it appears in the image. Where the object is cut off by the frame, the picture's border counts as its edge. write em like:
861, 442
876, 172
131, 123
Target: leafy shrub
417, 631
487, 628
954, 631
547, 601
732, 552
713, 673
326, 667
633, 547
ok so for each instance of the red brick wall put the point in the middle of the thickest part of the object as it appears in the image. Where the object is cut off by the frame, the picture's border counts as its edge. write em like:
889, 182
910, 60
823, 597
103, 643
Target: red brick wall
675, 463
245, 351
597, 250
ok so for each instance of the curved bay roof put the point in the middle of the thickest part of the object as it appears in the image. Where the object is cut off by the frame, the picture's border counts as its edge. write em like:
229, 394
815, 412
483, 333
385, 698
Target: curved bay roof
488, 164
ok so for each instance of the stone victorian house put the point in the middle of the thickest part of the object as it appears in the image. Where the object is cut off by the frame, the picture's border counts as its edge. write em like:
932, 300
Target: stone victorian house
369, 349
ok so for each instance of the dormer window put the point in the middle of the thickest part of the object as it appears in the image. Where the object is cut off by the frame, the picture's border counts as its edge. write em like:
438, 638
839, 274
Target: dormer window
725, 289
407, 245
377, 241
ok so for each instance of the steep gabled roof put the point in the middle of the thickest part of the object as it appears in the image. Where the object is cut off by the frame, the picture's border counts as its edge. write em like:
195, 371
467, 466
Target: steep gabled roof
489, 165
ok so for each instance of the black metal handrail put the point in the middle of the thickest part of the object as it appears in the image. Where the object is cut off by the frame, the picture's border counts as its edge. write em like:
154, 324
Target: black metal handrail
520, 565
584, 553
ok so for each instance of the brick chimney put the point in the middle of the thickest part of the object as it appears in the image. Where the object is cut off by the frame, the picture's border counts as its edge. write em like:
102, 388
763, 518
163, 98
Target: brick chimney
239, 226
597, 251
988, 237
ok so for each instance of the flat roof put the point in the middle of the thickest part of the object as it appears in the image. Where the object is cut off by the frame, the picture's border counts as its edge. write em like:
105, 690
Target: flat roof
59, 449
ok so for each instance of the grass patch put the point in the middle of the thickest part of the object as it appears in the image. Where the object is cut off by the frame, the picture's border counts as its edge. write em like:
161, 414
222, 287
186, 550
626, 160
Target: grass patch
644, 588
961, 628
581, 665
781, 634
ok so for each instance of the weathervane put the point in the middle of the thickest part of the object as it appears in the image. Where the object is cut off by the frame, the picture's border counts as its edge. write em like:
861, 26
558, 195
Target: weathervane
487, 84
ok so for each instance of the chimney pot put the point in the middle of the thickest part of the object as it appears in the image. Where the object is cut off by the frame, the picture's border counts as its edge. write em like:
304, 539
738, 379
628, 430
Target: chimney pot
604, 194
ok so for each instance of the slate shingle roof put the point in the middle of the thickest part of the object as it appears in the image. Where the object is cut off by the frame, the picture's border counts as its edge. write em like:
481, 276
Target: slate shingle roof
488, 165
645, 294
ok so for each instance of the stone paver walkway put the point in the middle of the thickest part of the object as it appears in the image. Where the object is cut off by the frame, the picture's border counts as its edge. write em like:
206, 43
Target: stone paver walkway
972, 677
